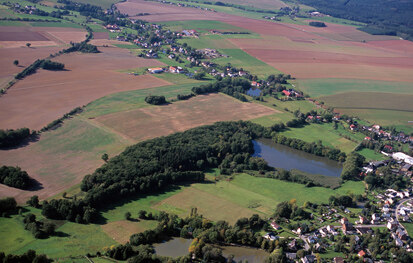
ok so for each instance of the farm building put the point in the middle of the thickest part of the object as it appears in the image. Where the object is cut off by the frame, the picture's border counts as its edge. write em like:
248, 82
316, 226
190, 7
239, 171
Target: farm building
403, 157
155, 70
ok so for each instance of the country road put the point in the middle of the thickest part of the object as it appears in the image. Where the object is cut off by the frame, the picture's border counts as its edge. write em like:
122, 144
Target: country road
400, 203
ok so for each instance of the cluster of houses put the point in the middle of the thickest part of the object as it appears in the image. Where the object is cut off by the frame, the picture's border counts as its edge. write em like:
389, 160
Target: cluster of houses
291, 93
403, 166
171, 69
113, 28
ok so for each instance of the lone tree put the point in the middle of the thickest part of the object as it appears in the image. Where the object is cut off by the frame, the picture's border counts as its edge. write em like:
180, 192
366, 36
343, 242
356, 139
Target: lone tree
16, 62
128, 216
105, 157
28, 44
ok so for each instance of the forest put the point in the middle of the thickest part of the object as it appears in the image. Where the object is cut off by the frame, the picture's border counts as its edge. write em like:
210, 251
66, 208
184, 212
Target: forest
391, 17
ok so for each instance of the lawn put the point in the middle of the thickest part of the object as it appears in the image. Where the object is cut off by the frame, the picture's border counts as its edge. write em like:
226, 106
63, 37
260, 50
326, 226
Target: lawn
409, 228
371, 155
326, 133
325, 87
240, 59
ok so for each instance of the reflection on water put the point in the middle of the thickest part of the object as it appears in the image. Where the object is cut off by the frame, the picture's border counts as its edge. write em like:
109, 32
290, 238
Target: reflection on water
281, 156
243, 253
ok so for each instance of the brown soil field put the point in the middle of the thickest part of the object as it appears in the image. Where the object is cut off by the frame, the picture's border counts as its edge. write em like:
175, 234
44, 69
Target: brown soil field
164, 12
22, 36
100, 35
155, 121
47, 95
24, 55
108, 42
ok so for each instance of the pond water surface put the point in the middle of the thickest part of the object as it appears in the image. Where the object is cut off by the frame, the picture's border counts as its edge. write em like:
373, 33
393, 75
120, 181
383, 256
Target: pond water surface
254, 92
176, 247
281, 156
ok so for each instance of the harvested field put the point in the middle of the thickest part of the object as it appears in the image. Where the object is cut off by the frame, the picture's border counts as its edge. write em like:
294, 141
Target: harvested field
100, 35
151, 122
39, 36
120, 231
61, 158
24, 55
163, 12
41, 98
264, 4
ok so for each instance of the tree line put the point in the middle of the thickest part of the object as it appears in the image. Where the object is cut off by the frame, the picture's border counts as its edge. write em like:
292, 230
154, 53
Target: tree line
234, 87
15, 177
40, 63
29, 257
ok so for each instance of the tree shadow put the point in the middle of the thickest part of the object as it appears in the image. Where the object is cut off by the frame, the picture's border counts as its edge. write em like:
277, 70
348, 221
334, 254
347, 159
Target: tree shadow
61, 234
30, 139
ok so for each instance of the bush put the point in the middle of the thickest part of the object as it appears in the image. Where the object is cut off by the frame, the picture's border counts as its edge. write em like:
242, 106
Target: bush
317, 24
155, 100
10, 138
15, 177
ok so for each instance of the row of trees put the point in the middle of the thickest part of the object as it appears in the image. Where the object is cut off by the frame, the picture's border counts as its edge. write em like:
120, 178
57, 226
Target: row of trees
40, 63
11, 138
28, 257
38, 228
351, 167
15, 177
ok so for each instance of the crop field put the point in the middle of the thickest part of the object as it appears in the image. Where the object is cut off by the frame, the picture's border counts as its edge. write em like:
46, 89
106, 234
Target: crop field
41, 98
241, 59
326, 87
121, 230
368, 100
155, 121
54, 161
202, 26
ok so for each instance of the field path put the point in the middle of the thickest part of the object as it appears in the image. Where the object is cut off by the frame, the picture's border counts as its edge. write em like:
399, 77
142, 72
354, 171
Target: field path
127, 139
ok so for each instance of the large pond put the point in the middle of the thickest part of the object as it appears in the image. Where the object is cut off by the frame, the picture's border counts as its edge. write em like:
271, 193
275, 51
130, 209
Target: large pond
178, 247
280, 156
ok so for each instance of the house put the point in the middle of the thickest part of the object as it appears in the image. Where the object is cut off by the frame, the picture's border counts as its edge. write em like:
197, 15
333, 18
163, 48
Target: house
391, 225
242, 73
361, 253
308, 259
347, 228
353, 127
275, 226
173, 69
338, 260
155, 70
376, 127
255, 84
291, 256
387, 148
367, 138
270, 236
344, 220
286, 93
362, 220
293, 245
363, 230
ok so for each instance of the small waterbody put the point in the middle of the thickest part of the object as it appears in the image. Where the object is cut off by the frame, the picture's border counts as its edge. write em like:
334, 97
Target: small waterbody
252, 255
254, 92
281, 156
178, 247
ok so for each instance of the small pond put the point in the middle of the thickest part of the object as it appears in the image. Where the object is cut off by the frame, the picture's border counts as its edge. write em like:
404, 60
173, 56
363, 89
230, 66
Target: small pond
252, 255
254, 92
281, 156
175, 247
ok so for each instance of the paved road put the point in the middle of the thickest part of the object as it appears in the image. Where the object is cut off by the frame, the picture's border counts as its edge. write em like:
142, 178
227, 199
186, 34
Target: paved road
399, 205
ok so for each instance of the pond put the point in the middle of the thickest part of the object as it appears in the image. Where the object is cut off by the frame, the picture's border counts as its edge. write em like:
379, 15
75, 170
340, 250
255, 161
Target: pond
175, 247
252, 255
178, 247
281, 156
254, 92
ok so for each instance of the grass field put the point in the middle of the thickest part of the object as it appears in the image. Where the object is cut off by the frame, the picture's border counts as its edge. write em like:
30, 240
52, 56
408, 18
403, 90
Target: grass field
372, 155
55, 24
229, 200
240, 59
326, 133
208, 41
409, 228
325, 87
131, 99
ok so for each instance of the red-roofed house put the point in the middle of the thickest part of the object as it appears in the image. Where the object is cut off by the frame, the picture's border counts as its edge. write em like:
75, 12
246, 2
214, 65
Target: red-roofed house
361, 253
275, 226
286, 93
